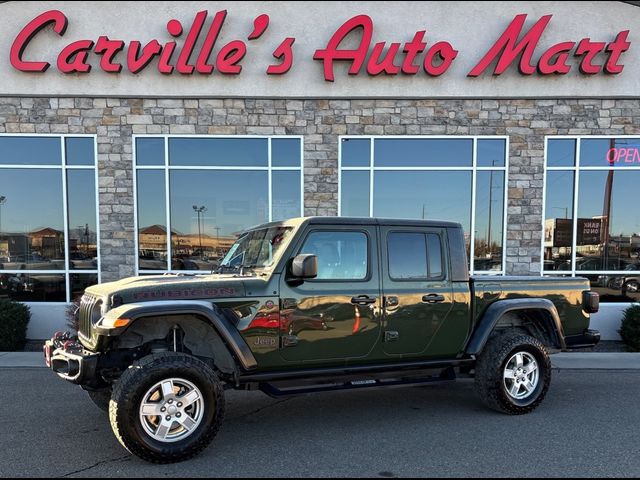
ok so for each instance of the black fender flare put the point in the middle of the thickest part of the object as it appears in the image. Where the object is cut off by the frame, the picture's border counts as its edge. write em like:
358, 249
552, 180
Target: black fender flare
207, 311
498, 309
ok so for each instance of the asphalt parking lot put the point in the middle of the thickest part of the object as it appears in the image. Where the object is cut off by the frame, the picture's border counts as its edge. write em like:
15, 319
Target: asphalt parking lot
587, 426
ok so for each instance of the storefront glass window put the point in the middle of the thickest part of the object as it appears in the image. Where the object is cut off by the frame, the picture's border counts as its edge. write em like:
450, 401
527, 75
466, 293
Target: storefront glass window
286, 195
561, 152
219, 152
285, 152
558, 223
150, 151
453, 179
49, 238
422, 152
423, 194
491, 153
354, 194
208, 190
152, 220
21, 150
598, 237
79, 150
355, 152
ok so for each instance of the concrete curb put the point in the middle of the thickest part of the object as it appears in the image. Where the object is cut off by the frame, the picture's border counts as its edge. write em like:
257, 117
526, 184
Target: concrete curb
593, 361
562, 361
21, 359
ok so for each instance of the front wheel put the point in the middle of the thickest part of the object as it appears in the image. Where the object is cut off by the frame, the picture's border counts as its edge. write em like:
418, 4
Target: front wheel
513, 373
167, 407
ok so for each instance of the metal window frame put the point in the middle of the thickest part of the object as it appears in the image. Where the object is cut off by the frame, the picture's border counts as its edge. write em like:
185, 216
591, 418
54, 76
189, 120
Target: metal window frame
166, 167
576, 169
64, 168
473, 168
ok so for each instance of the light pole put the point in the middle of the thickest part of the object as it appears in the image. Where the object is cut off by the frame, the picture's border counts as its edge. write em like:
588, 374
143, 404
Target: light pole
3, 200
217, 229
86, 238
199, 210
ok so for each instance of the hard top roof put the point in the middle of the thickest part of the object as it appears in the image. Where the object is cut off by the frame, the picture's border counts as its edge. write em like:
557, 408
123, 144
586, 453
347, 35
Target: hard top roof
346, 221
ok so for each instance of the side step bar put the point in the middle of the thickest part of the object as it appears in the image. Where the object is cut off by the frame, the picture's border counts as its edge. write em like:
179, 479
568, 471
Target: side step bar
276, 390
395, 368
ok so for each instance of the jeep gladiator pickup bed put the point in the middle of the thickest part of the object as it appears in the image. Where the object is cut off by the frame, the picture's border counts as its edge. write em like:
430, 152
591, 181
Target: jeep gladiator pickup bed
314, 304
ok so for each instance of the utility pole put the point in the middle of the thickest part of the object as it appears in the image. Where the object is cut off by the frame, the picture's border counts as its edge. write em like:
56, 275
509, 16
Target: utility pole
3, 200
217, 229
200, 210
86, 238
606, 213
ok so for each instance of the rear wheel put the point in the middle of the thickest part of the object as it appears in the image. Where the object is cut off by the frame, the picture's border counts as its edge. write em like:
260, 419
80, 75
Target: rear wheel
167, 407
513, 373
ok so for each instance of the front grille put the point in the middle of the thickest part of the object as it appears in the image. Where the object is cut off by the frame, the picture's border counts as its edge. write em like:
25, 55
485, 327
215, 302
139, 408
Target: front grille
87, 304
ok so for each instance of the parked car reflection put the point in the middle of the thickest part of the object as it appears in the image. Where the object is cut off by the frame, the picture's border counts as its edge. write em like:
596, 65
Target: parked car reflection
487, 264
27, 287
81, 261
32, 261
195, 263
152, 260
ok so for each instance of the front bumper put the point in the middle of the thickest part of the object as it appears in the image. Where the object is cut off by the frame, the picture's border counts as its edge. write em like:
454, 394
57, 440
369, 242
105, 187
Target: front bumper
589, 338
71, 361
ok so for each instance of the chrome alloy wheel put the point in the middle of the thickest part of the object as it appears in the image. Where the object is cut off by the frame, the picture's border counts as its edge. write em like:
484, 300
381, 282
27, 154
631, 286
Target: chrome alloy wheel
171, 410
521, 375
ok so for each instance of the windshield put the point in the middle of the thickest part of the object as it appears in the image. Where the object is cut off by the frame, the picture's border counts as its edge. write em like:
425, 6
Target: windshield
258, 248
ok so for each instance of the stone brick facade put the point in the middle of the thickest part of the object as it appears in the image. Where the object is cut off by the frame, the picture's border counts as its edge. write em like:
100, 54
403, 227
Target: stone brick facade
321, 122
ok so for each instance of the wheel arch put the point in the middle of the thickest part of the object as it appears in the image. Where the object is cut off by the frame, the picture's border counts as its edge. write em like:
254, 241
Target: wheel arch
208, 331
538, 316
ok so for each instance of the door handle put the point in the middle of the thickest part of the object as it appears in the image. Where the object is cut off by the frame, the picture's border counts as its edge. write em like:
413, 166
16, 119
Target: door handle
363, 300
433, 298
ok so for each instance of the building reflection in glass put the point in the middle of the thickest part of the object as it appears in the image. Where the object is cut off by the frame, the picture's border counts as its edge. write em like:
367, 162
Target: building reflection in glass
606, 232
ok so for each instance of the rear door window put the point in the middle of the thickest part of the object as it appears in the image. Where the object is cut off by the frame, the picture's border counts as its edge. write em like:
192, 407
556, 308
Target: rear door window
414, 256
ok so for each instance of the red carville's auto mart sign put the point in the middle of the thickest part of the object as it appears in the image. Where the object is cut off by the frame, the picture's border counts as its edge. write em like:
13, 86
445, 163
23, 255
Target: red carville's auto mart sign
418, 56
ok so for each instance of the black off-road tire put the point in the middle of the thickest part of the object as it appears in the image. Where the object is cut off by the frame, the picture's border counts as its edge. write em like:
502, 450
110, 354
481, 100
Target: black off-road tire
490, 369
100, 398
128, 393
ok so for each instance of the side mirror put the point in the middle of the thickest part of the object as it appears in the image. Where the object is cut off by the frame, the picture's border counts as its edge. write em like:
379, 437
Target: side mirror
304, 266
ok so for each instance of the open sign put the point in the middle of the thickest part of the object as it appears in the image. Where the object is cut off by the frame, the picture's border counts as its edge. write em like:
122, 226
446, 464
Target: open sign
623, 155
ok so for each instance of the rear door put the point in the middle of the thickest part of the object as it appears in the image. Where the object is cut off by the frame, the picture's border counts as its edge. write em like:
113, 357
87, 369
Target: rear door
418, 293
336, 316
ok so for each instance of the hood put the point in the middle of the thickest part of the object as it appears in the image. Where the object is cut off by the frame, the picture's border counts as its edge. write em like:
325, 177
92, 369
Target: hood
171, 287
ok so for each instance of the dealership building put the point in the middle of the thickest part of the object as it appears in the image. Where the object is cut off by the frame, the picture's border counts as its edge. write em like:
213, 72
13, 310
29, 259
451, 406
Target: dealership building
140, 138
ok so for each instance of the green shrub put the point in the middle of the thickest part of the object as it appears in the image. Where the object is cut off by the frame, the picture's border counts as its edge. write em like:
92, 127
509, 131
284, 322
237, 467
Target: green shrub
14, 318
630, 329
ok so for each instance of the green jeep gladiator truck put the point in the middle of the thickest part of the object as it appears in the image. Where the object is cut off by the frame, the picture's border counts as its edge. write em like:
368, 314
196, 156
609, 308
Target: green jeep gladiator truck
308, 305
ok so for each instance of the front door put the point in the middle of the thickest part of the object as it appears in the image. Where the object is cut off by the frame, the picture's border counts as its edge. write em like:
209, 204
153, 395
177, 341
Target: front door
418, 294
335, 316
